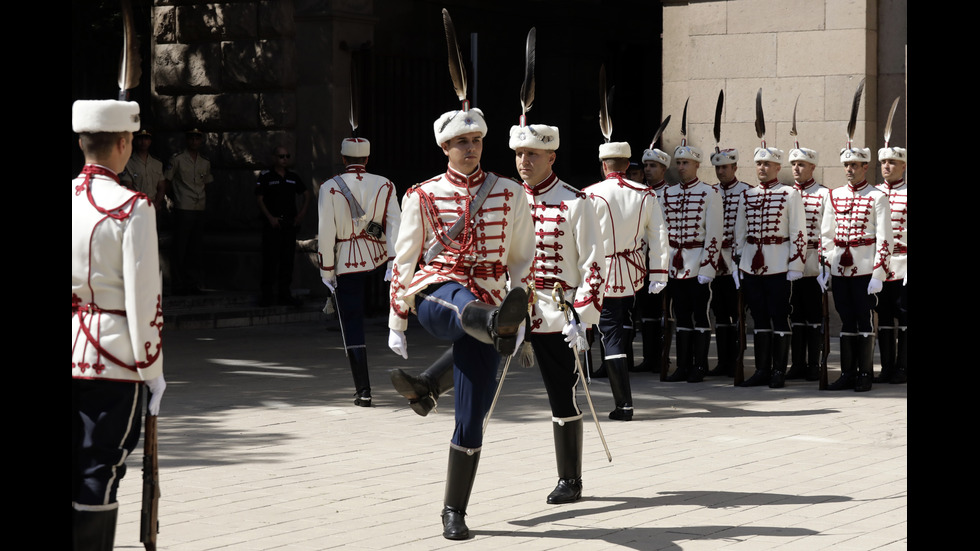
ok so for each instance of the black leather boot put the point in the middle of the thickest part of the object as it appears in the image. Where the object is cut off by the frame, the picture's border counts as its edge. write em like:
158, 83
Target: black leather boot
725, 343
887, 348
762, 342
901, 359
459, 484
799, 350
848, 364
700, 344
423, 391
780, 357
866, 361
93, 530
619, 383
653, 341
814, 350
362, 379
496, 325
568, 452
685, 356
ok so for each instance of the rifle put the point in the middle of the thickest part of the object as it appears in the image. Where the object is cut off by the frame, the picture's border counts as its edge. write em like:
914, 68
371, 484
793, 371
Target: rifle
149, 520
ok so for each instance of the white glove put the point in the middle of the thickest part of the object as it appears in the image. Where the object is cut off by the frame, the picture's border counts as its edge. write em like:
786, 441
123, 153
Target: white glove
331, 284
398, 343
575, 335
905, 280
656, 287
388, 274
156, 385
793, 275
874, 286
738, 279
823, 279
704, 280
520, 340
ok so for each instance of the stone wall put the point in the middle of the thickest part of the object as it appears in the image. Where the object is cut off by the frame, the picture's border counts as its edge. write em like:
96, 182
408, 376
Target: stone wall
814, 50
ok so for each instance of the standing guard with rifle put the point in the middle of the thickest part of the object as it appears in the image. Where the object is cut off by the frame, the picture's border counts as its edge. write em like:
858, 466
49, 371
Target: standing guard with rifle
358, 228
893, 307
857, 242
770, 242
724, 291
116, 314
654, 309
696, 228
466, 237
808, 298
628, 215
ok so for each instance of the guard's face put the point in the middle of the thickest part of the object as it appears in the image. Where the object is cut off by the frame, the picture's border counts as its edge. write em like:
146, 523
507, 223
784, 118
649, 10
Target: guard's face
687, 169
766, 170
534, 165
464, 152
892, 170
725, 173
653, 171
856, 172
802, 170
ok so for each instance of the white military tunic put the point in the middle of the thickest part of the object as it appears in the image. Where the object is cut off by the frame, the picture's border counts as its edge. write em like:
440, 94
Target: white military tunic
731, 194
630, 217
345, 246
494, 250
117, 316
695, 225
770, 230
568, 250
898, 199
815, 197
857, 231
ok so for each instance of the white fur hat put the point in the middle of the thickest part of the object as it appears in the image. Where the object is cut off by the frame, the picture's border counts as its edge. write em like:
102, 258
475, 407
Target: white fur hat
804, 154
355, 147
855, 155
535, 136
770, 154
456, 123
656, 155
614, 150
893, 153
724, 157
689, 152
106, 115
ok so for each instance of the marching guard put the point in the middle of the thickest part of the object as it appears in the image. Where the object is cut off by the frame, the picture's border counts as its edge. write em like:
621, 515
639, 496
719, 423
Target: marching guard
856, 236
466, 238
893, 302
628, 215
358, 228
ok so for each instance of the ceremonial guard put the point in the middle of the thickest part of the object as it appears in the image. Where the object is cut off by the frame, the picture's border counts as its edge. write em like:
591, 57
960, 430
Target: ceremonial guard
466, 238
770, 242
892, 301
628, 215
116, 317
695, 223
806, 315
856, 235
358, 228
653, 308
724, 294
144, 172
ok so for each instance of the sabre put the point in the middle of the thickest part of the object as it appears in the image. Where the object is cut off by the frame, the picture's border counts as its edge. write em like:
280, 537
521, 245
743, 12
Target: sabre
149, 514
496, 395
558, 296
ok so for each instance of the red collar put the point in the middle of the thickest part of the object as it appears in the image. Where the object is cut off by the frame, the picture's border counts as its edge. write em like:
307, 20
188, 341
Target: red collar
730, 185
90, 169
686, 185
543, 186
895, 184
659, 185
466, 181
858, 186
804, 185
769, 184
